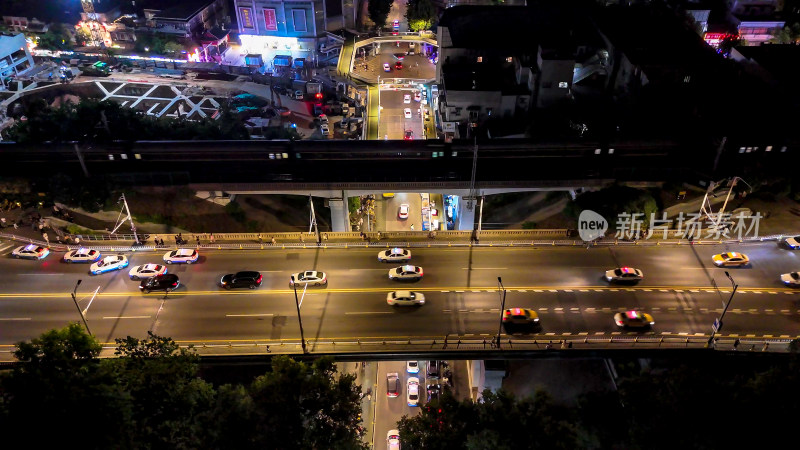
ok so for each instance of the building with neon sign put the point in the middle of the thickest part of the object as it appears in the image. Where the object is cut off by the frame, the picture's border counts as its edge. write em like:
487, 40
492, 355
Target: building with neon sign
277, 31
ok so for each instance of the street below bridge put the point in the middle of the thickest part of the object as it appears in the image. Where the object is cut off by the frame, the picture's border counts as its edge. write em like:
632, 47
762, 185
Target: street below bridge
564, 286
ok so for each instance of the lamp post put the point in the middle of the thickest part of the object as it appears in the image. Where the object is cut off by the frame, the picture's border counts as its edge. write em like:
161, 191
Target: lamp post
717, 326
502, 308
74, 291
297, 303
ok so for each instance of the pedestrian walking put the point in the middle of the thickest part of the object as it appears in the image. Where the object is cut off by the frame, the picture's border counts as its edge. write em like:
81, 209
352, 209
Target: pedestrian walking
412, 227
211, 237
273, 240
46, 238
58, 238
260, 239
77, 240
197, 239
16, 227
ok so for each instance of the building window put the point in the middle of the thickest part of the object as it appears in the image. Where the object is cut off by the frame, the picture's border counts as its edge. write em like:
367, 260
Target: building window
563, 84
473, 115
489, 112
509, 59
480, 58
299, 19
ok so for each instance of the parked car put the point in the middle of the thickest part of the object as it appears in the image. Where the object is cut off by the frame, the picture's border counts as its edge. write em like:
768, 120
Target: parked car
392, 384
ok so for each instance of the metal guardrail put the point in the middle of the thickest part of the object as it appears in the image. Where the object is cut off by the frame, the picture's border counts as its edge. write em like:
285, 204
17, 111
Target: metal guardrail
456, 344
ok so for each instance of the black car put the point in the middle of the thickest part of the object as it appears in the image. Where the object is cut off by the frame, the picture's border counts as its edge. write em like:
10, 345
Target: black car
165, 282
279, 89
247, 279
433, 369
434, 390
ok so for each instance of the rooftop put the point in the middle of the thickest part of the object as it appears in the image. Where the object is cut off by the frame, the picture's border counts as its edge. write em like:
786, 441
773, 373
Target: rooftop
481, 77
183, 9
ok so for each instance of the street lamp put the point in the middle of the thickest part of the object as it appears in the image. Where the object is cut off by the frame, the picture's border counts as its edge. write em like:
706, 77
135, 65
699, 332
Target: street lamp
297, 303
502, 308
74, 291
717, 326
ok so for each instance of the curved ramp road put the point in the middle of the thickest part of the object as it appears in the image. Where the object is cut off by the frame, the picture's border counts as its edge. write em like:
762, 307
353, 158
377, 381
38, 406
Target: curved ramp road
564, 285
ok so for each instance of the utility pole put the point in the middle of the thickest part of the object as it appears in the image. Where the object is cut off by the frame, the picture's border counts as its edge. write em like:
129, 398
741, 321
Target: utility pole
502, 308
717, 326
480, 215
313, 220
472, 193
74, 300
297, 303
128, 217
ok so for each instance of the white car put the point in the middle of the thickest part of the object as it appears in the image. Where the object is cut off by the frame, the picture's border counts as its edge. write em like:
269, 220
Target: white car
386, 67
323, 119
407, 98
82, 255
791, 279
30, 251
309, 277
412, 392
411, 47
405, 298
403, 211
793, 242
181, 255
394, 255
109, 263
407, 113
407, 272
147, 271
417, 96
624, 274
412, 366
393, 440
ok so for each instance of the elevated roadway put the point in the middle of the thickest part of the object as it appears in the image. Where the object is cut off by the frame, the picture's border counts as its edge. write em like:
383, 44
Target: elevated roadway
682, 289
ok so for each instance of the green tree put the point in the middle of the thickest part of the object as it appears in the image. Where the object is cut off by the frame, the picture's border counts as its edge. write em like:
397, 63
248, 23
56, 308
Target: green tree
789, 34
378, 11
498, 421
173, 47
82, 37
59, 388
420, 14
56, 38
306, 406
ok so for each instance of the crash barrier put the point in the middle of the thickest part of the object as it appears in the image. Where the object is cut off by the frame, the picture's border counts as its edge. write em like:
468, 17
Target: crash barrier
485, 344
308, 241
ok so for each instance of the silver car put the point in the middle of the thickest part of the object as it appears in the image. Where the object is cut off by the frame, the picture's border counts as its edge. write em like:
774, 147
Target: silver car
407, 272
624, 274
394, 255
309, 277
791, 279
405, 298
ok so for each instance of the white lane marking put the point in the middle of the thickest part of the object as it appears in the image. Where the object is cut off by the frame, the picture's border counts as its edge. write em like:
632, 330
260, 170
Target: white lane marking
484, 268
41, 274
248, 315
369, 312
126, 317
11, 319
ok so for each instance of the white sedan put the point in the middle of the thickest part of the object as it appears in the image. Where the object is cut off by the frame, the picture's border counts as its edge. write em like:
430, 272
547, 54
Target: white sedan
82, 255
407, 272
403, 211
624, 274
393, 440
791, 279
793, 242
147, 271
309, 277
394, 255
386, 67
181, 255
109, 263
407, 98
405, 298
417, 96
412, 366
30, 251
407, 113
412, 392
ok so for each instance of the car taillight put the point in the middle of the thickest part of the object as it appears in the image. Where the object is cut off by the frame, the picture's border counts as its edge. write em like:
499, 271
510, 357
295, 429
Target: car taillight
420, 271
619, 322
259, 279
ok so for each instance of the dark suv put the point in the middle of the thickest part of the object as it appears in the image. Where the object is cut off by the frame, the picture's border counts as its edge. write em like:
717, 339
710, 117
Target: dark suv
165, 282
247, 279
433, 369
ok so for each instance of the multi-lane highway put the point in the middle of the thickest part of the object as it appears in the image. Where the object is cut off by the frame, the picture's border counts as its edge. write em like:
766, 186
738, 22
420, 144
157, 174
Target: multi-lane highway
563, 285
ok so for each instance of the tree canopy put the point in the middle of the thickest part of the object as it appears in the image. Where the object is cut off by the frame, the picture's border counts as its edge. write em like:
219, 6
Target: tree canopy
103, 121
421, 14
378, 11
151, 396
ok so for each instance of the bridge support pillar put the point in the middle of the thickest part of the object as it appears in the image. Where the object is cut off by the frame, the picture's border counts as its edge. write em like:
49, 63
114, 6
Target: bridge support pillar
466, 216
340, 214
